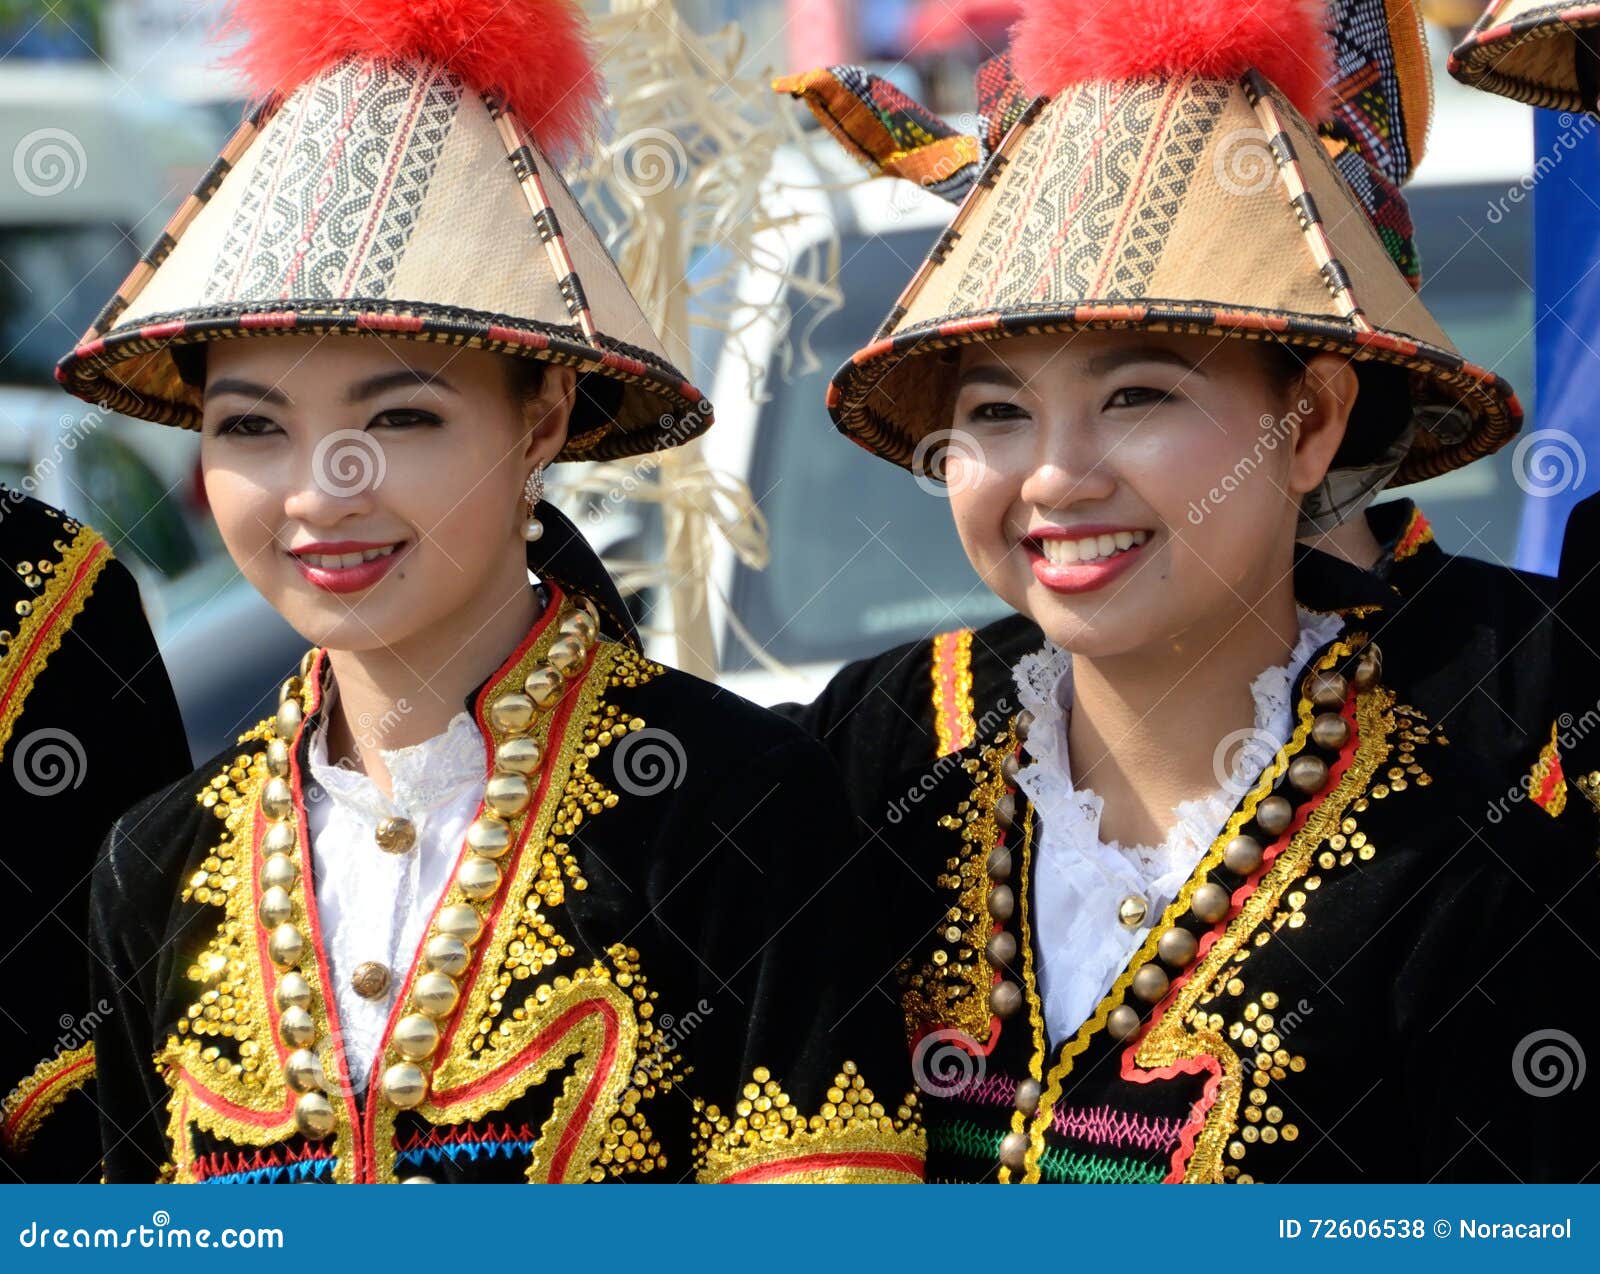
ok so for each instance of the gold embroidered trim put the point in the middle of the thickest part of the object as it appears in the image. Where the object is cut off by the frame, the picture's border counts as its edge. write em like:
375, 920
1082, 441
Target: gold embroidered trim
40, 632
50, 1083
767, 1131
951, 988
485, 1064
232, 1007
1166, 1040
1030, 988
1547, 786
952, 691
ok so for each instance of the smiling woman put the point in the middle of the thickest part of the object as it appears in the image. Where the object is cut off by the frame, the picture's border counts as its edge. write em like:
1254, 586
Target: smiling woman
432, 920
1216, 905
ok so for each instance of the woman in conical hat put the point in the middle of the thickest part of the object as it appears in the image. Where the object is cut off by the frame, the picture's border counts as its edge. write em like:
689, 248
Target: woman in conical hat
489, 896
1481, 663
1217, 905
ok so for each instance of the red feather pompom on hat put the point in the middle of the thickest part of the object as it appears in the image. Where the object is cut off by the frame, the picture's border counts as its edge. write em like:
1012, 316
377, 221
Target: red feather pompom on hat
1062, 42
534, 54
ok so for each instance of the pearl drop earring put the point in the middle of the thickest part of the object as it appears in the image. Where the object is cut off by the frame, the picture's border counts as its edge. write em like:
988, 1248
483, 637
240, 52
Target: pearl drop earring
532, 493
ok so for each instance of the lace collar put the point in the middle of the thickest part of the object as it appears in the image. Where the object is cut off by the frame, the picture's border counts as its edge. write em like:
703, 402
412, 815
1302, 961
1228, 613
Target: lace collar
425, 776
1044, 687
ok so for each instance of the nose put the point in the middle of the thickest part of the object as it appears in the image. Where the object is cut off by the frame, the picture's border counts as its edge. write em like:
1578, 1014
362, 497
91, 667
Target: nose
336, 478
1071, 463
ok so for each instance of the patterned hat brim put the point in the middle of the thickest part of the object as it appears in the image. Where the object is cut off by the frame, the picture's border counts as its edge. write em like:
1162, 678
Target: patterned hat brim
659, 408
1447, 391
1484, 58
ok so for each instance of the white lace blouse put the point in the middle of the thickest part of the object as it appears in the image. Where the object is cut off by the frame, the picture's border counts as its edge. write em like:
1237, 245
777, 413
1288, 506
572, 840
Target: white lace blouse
1081, 880
374, 905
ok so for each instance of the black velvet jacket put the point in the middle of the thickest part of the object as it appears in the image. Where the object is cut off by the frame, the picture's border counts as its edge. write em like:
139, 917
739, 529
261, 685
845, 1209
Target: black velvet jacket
642, 999
88, 725
1368, 977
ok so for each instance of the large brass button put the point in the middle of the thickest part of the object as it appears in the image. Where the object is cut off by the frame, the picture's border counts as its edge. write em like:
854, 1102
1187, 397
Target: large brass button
416, 1036
489, 837
1330, 731
507, 794
478, 877
396, 835
1210, 903
1274, 815
1005, 999
511, 712
1177, 946
370, 980
313, 1116
404, 1085
1131, 911
1123, 1022
1242, 855
459, 921
447, 955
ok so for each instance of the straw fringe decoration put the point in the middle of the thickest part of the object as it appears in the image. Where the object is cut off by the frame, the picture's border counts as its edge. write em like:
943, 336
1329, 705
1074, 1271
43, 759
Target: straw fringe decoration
687, 166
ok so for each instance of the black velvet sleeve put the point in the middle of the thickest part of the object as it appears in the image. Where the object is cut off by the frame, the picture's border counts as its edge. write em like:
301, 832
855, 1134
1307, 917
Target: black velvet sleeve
99, 729
131, 900
1495, 1034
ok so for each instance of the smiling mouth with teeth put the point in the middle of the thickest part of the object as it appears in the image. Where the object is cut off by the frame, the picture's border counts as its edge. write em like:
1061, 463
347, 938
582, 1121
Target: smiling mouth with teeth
340, 561
1089, 548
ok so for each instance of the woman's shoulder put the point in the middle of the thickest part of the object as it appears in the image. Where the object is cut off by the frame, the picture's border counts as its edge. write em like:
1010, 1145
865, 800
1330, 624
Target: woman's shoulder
155, 837
698, 713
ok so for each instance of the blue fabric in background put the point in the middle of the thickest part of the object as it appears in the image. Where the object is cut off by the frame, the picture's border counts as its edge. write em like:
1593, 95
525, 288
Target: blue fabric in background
1566, 295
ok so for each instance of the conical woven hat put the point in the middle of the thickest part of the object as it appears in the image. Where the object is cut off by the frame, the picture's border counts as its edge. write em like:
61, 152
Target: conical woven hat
1176, 203
1530, 50
386, 197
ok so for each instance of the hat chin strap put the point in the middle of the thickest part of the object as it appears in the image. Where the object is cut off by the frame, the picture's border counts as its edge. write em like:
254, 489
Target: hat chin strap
563, 555
1345, 491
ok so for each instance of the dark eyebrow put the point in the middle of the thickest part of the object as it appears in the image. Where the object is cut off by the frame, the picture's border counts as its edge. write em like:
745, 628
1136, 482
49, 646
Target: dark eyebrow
405, 378
990, 374
1112, 359
249, 388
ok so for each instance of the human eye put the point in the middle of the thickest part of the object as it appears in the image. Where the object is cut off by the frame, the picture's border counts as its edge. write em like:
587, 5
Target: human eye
404, 418
245, 426
996, 411
1140, 396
